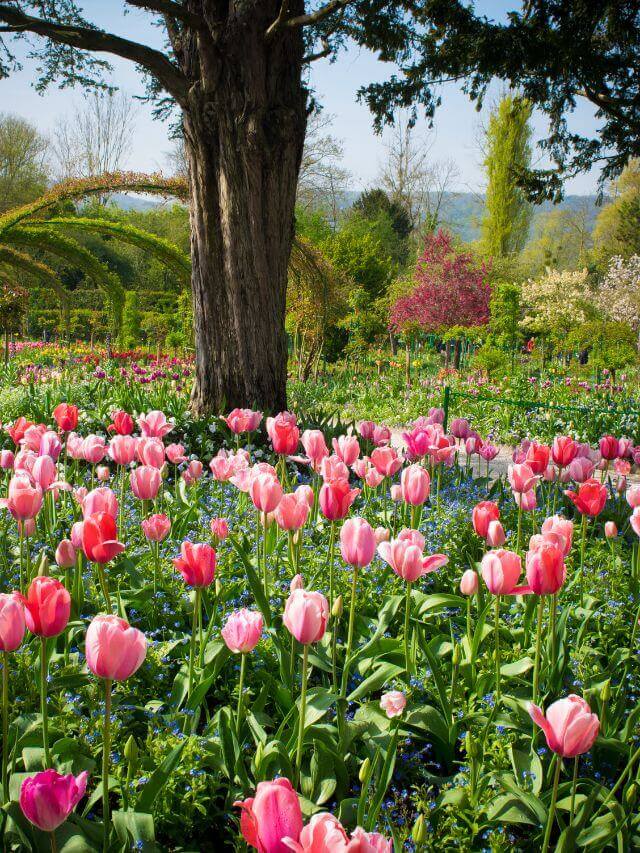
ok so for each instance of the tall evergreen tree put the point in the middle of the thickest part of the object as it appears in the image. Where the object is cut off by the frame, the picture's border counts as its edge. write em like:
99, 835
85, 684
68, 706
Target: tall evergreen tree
505, 225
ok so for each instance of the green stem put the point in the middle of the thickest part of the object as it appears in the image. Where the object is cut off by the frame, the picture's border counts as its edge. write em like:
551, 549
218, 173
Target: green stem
536, 665
352, 619
552, 807
519, 539
303, 711
192, 645
496, 628
43, 701
106, 751
332, 542
554, 612
407, 622
583, 546
574, 785
243, 662
5, 726
105, 586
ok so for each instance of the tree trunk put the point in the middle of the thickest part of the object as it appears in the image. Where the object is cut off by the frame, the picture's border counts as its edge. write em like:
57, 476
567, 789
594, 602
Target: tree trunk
244, 132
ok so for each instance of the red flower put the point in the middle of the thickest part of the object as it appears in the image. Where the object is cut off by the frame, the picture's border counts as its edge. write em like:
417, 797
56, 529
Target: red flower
590, 497
100, 538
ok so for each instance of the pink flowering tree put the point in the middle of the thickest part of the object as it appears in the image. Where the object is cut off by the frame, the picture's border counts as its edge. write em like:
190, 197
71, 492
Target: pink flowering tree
452, 292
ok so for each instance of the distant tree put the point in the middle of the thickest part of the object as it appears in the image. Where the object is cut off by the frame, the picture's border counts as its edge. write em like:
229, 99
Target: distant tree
610, 345
131, 321
23, 169
556, 302
507, 216
323, 180
96, 138
371, 203
619, 293
505, 313
451, 291
617, 228
13, 307
561, 239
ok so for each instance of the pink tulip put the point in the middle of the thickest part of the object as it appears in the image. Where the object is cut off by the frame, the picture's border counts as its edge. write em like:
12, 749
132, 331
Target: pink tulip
590, 498
368, 842
357, 542
545, 568
332, 468
347, 448
482, 515
393, 703
66, 416
608, 445
226, 464
460, 427
407, 560
65, 554
27, 527
145, 482
150, 451
219, 528
271, 816
284, 433
373, 478
305, 616
291, 513
102, 499
32, 437
305, 493
154, 424
496, 536
196, 564
47, 607
266, 492
581, 469
366, 428
336, 499
103, 473
418, 442
243, 420
625, 448
193, 472
381, 435
563, 450
527, 501
314, 446
521, 478
469, 583
611, 529
323, 834
93, 449
633, 496
7, 459
12, 621
48, 798
24, 500
413, 537
44, 472
415, 484
242, 631
569, 726
489, 451
76, 535
634, 521
122, 449
386, 460
50, 445
382, 534
175, 454
560, 527
100, 538
395, 493
501, 571
156, 527
297, 582
24, 462
113, 648
537, 458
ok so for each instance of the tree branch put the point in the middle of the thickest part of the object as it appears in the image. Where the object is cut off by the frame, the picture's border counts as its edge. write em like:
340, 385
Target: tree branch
172, 9
85, 38
313, 57
305, 20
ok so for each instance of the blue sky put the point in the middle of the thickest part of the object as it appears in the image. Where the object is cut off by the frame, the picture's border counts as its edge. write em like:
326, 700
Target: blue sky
455, 135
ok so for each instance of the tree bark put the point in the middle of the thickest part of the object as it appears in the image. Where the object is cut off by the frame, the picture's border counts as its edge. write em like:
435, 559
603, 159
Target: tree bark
244, 128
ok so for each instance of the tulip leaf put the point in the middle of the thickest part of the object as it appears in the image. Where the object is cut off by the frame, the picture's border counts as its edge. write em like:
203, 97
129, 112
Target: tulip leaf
135, 829
159, 779
385, 672
527, 766
518, 667
508, 808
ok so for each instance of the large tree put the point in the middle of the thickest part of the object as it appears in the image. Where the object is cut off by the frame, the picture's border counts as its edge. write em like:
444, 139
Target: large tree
236, 70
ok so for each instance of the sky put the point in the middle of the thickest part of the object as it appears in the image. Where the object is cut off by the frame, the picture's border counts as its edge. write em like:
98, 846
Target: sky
455, 136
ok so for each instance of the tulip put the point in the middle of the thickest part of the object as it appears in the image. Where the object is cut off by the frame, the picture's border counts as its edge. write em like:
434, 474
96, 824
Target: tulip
537, 458
48, 798
175, 454
241, 633
393, 703
65, 554
32, 437
76, 535
150, 451
346, 448
114, 652
291, 513
460, 427
336, 498
333, 469
570, 729
369, 842
581, 469
590, 498
324, 832
50, 445
12, 628
283, 433
154, 424
122, 449
469, 583
357, 543
483, 513
496, 536
145, 482
305, 494
193, 472
99, 538
7, 459
66, 416
24, 500
563, 450
415, 484
314, 446
382, 534
266, 492
418, 442
122, 423
243, 420
297, 582
93, 449
102, 499
219, 529
366, 428
522, 478
197, 564
562, 528
634, 521
156, 527
546, 574
611, 530
387, 461
608, 446
17, 431
271, 816
381, 435
44, 472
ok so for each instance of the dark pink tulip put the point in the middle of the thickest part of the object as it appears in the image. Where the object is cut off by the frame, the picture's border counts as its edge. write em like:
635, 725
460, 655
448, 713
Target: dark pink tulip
545, 568
590, 498
366, 429
12, 621
48, 798
336, 498
196, 564
460, 427
608, 445
242, 631
47, 607
563, 450
581, 469
482, 515
284, 433
271, 816
305, 616
569, 726
113, 648
100, 538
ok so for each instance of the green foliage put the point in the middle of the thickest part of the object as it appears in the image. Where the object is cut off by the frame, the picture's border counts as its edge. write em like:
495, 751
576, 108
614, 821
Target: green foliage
610, 345
131, 321
23, 173
505, 313
491, 360
561, 239
371, 203
617, 228
505, 226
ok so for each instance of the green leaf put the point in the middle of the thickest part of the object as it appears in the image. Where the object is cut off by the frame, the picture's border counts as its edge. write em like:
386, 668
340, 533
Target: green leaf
253, 579
319, 701
375, 681
508, 808
159, 779
135, 828
527, 765
518, 667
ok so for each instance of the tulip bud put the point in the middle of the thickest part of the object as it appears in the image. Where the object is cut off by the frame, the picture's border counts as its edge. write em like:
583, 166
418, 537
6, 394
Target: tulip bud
631, 795
164, 471
258, 756
364, 771
131, 752
605, 691
470, 746
218, 587
455, 657
419, 831
43, 565
336, 610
